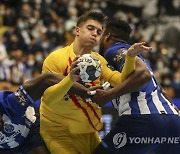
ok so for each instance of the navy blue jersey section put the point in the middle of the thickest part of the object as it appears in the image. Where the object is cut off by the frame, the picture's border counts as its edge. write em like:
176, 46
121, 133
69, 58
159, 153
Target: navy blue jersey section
149, 99
13, 106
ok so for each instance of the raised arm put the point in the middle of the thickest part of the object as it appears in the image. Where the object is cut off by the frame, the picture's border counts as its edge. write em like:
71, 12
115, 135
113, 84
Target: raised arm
130, 61
133, 83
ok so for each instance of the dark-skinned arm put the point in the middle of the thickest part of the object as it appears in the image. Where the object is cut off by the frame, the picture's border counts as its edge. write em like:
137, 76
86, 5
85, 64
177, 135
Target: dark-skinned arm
133, 83
36, 87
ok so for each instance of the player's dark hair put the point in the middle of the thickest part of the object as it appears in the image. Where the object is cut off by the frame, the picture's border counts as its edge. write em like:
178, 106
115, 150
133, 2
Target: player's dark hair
119, 30
97, 16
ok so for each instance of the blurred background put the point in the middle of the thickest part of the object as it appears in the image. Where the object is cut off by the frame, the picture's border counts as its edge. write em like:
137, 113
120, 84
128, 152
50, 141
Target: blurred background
31, 29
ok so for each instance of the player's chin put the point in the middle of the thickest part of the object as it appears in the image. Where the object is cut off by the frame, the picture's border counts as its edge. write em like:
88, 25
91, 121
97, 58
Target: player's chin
93, 42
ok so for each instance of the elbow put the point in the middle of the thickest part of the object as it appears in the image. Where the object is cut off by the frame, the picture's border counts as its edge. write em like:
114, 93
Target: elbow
145, 75
52, 78
148, 76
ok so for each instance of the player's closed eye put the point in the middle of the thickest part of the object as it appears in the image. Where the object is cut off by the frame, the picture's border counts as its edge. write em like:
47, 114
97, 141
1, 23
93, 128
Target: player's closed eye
91, 28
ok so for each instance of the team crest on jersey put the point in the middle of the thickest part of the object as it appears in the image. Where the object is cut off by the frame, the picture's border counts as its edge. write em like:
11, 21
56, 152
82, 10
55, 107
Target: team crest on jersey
66, 97
9, 128
120, 55
21, 98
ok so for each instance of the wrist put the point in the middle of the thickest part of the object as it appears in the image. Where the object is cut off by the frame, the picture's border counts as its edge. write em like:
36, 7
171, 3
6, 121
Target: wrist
130, 54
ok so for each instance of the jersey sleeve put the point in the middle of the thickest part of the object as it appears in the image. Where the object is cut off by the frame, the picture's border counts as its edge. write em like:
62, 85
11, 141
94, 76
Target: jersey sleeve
53, 62
14, 103
54, 93
129, 66
115, 77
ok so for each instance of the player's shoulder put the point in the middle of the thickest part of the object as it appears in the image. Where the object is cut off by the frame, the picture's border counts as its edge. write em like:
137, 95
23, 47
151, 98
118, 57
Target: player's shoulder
57, 54
101, 58
4, 94
59, 51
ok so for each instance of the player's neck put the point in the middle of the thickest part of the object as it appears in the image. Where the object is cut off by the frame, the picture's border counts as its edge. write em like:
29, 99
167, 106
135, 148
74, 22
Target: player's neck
80, 49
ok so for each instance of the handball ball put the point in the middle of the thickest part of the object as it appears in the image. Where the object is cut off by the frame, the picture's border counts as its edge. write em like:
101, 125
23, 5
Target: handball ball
90, 67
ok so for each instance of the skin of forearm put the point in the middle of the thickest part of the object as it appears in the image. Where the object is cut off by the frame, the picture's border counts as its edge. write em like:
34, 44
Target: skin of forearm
36, 87
79, 90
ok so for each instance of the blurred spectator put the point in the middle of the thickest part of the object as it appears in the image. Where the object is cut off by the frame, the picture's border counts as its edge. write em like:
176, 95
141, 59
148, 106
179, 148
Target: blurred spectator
176, 83
3, 28
52, 33
18, 68
5, 71
3, 52
9, 17
13, 43
167, 85
25, 11
30, 61
167, 7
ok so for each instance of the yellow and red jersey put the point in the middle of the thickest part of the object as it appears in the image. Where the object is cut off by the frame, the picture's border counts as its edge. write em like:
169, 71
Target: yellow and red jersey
72, 112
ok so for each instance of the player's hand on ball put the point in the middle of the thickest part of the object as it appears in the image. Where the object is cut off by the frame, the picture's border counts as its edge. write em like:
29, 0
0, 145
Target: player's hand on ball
137, 48
74, 69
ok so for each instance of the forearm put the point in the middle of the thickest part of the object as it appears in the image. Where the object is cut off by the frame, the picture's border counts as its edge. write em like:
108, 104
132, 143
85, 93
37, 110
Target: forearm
56, 92
79, 90
36, 86
129, 67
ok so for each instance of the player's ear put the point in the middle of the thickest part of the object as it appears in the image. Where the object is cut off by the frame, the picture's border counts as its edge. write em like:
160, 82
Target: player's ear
77, 31
107, 37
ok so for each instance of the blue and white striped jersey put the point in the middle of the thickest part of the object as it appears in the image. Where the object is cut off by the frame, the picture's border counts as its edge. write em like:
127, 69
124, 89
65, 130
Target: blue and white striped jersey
13, 107
148, 100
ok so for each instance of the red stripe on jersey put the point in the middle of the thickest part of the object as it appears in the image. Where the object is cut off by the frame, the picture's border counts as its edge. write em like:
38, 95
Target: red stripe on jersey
66, 70
89, 105
93, 111
74, 99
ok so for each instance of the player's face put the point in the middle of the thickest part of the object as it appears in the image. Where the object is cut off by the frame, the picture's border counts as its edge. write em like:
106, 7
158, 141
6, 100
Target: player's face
89, 33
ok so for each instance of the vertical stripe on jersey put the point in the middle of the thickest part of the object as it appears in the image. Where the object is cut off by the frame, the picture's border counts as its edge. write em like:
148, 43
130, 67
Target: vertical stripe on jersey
151, 105
115, 103
133, 103
165, 104
173, 111
76, 102
157, 102
142, 102
124, 107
